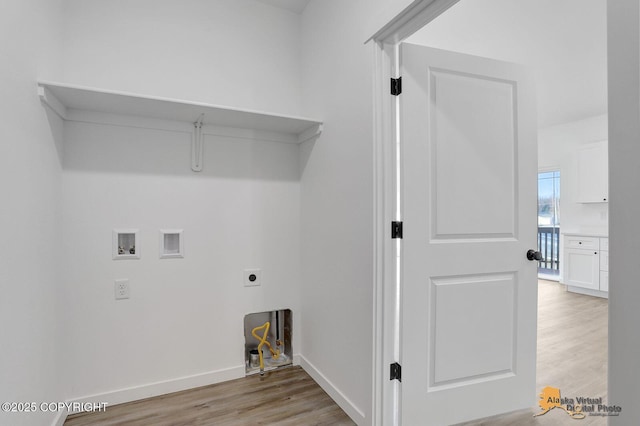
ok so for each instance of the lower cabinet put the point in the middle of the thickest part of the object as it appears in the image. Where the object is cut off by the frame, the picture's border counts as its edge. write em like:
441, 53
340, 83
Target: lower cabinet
582, 268
604, 280
586, 265
604, 264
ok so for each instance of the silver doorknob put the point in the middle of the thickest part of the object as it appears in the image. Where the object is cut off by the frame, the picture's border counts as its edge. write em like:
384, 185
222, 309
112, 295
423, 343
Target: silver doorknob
534, 255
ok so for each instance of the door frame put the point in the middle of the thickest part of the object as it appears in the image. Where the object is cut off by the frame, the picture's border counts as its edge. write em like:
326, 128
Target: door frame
388, 203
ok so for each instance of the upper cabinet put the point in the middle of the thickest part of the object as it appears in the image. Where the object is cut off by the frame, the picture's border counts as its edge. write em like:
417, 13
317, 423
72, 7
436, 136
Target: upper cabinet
593, 173
75, 102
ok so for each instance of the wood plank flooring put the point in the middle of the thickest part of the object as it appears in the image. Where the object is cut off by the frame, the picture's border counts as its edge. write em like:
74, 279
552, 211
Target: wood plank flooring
572, 355
287, 397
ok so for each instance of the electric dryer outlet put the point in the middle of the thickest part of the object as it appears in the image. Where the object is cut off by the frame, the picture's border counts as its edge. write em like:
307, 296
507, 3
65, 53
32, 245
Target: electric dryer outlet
252, 277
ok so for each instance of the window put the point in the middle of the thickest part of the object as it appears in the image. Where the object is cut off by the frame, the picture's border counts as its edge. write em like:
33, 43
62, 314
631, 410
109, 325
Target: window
549, 222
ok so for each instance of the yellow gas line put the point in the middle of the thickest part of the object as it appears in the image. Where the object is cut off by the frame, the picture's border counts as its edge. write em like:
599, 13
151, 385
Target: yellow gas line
263, 341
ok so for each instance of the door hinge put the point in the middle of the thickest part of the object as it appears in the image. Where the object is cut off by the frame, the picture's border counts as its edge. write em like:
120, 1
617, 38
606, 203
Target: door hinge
396, 230
396, 86
396, 372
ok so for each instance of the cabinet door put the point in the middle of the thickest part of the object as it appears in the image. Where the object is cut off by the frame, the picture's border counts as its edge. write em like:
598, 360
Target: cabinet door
604, 281
582, 268
593, 173
604, 261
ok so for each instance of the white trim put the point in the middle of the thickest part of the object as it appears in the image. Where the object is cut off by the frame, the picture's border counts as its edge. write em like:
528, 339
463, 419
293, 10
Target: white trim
411, 19
588, 291
386, 395
339, 398
135, 393
381, 218
553, 168
162, 250
116, 240
60, 419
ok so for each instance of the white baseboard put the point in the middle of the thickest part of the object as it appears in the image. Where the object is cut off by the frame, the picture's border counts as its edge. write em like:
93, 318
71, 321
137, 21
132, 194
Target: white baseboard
135, 393
349, 407
588, 291
60, 418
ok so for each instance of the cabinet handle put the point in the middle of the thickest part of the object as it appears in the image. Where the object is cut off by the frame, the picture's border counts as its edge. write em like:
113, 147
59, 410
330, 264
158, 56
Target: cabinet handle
595, 252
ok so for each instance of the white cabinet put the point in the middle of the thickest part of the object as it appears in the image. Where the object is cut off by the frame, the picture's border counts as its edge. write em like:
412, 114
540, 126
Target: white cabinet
593, 173
582, 268
604, 264
586, 267
604, 280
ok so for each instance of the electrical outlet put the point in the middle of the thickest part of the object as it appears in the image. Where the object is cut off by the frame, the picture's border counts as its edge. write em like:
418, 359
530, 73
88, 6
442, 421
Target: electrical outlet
252, 277
122, 289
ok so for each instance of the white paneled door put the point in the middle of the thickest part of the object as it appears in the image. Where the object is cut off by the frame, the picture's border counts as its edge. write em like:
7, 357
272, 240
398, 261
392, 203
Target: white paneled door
469, 293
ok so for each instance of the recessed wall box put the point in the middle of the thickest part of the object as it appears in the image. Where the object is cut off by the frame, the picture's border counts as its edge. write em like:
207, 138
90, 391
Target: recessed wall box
279, 351
171, 243
125, 244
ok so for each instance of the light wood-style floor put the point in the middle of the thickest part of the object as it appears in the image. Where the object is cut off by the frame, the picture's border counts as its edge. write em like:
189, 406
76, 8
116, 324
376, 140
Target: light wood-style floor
286, 397
572, 355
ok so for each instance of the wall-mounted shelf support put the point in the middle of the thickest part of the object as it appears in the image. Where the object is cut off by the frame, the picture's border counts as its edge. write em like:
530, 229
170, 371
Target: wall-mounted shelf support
197, 145
311, 133
49, 99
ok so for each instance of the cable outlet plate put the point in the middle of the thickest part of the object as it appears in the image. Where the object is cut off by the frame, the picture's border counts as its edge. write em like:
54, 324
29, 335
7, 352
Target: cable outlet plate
252, 277
121, 289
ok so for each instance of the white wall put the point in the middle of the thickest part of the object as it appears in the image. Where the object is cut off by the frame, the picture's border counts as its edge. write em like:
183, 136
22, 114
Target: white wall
623, 18
337, 204
250, 60
238, 53
229, 52
565, 51
30, 188
185, 316
558, 149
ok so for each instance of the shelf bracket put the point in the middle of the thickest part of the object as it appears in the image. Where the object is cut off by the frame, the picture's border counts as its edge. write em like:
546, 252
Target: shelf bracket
197, 145
48, 98
311, 133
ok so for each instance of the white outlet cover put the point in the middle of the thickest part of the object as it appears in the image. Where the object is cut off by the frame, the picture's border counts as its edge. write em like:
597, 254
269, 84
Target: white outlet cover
252, 277
121, 289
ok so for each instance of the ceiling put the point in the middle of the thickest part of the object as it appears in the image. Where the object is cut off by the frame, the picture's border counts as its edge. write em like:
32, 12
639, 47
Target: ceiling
296, 6
563, 42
